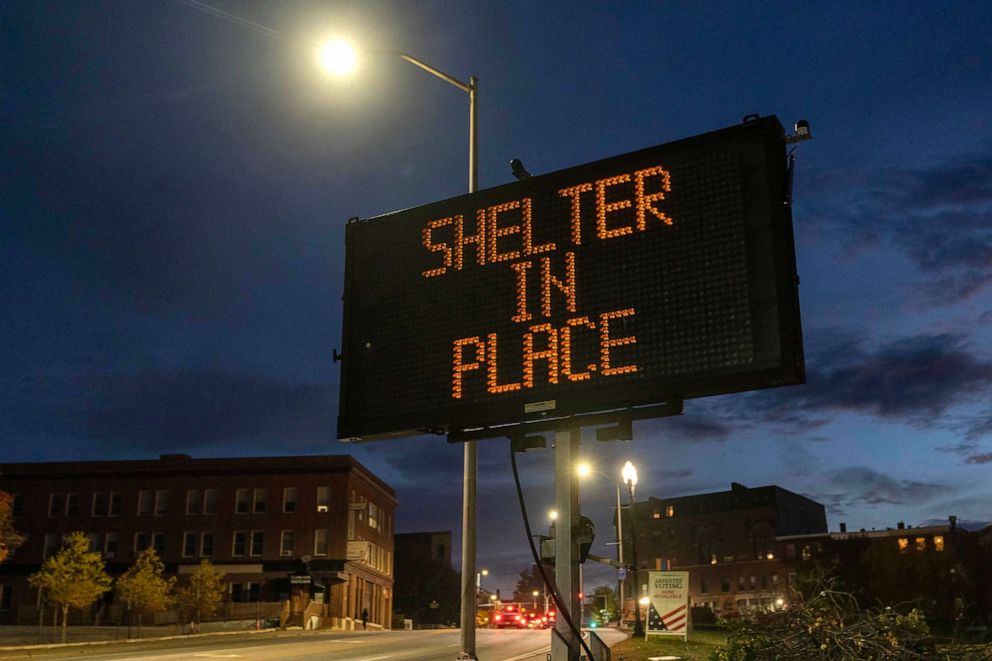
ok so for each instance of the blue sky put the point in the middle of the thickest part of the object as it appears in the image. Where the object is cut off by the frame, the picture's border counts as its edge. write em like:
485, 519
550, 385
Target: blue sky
175, 186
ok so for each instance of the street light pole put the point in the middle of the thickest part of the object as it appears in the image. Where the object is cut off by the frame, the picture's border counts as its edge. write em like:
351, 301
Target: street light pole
341, 53
470, 452
629, 474
620, 581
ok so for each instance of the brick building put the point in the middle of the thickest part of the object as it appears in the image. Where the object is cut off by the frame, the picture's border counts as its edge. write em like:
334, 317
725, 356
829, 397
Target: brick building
726, 540
326, 521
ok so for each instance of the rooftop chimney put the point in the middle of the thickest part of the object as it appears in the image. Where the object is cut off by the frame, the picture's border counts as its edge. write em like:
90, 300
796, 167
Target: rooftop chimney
843, 527
901, 525
953, 520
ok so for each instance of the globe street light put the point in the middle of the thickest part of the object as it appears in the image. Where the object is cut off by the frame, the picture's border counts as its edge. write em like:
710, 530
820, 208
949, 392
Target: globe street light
341, 58
584, 470
629, 474
535, 593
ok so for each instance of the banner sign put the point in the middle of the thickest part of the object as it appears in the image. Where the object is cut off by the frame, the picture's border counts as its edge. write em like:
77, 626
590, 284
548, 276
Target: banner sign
668, 610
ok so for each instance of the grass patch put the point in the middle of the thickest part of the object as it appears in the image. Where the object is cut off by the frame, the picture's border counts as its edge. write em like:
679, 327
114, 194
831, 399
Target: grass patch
697, 648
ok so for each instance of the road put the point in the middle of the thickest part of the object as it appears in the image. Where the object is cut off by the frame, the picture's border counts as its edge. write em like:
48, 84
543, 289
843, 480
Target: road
441, 645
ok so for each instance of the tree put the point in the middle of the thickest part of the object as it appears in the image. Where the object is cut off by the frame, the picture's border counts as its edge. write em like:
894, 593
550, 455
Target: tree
10, 539
604, 604
143, 588
529, 580
200, 595
74, 577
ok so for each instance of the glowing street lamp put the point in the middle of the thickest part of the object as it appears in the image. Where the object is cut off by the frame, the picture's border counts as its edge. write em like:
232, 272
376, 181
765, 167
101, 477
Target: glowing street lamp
338, 57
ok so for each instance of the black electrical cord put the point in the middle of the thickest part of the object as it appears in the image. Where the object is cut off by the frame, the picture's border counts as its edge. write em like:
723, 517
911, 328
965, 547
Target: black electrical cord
540, 565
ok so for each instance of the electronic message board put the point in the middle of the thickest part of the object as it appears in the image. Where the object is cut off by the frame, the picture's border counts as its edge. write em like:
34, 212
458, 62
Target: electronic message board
662, 273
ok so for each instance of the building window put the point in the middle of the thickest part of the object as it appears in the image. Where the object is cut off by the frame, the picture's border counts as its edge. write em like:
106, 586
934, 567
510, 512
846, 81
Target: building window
189, 544
257, 543
938, 543
194, 501
210, 501
774, 579
259, 501
110, 545
72, 504
56, 504
286, 543
323, 499
656, 514
4, 597
764, 581
144, 503
101, 504
320, 541
753, 582
158, 543
96, 542
161, 502
903, 544
713, 559
806, 554
116, 503
921, 544
236, 592
724, 584
207, 544
240, 545
670, 511
242, 501
51, 546
141, 541
373, 516
289, 500
702, 585
740, 582
252, 590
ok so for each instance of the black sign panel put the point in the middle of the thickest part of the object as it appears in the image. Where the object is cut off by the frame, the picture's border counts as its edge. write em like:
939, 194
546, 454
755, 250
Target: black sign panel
663, 273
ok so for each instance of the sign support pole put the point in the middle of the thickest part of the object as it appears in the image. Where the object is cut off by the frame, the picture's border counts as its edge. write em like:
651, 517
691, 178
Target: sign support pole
565, 646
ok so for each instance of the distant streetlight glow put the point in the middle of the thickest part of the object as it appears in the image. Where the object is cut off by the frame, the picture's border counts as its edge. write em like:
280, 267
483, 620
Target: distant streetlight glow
338, 57
583, 470
553, 515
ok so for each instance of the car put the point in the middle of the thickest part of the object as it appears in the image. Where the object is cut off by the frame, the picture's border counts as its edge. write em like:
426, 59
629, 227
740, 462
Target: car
509, 617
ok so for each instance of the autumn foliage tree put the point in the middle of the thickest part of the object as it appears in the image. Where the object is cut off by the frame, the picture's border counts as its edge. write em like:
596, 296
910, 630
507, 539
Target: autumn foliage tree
74, 577
10, 539
143, 588
200, 594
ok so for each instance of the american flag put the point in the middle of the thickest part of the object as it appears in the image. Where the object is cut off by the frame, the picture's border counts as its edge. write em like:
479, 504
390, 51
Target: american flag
673, 620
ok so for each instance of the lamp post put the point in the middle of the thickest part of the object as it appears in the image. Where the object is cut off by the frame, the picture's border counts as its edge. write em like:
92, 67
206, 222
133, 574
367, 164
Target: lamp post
478, 583
338, 57
535, 593
629, 474
585, 469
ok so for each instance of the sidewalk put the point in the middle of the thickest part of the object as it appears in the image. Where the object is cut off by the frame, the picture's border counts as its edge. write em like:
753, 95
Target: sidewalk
21, 636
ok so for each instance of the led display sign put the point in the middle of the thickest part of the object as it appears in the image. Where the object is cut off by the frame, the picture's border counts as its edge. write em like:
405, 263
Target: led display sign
663, 273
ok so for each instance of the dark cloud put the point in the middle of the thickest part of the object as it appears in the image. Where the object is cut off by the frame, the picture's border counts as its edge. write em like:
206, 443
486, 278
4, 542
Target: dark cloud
863, 485
984, 458
676, 474
916, 379
939, 216
162, 409
695, 428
